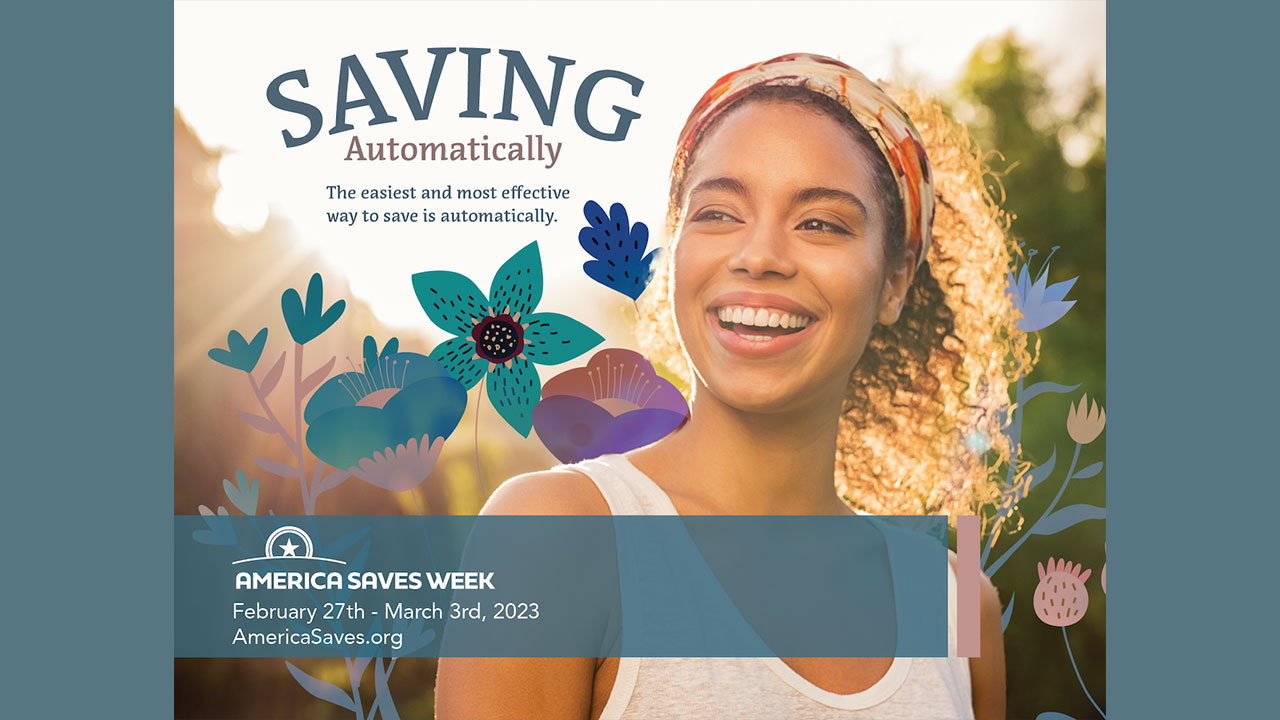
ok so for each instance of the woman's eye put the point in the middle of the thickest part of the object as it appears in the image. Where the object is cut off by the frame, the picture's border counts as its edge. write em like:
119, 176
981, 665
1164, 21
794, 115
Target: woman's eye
821, 226
714, 216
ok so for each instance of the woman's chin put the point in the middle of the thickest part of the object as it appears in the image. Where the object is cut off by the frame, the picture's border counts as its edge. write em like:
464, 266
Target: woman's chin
759, 393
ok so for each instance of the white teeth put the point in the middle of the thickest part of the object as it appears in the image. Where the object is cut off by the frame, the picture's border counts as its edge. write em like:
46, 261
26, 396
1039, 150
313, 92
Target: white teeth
761, 317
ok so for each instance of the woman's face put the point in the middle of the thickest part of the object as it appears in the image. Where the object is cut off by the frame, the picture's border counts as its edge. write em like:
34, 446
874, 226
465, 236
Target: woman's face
780, 271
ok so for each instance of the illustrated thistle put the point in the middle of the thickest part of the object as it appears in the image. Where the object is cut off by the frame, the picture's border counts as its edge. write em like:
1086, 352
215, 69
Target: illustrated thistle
1061, 598
500, 336
1085, 427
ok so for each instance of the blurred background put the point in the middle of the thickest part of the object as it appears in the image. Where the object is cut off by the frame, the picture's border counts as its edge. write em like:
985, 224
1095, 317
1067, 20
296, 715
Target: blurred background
1036, 105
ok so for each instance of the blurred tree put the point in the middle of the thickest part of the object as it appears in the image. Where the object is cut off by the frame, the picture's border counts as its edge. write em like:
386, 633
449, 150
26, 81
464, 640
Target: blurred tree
1048, 158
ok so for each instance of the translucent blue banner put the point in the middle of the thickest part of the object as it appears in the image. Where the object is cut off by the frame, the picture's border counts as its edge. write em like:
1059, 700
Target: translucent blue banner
651, 586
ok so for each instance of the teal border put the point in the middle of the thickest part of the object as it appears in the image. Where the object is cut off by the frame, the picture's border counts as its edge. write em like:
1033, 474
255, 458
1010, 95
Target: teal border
89, 414
1191, 359
88, 356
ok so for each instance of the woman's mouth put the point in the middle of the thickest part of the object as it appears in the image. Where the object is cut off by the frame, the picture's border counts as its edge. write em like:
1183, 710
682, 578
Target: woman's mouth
760, 324
754, 331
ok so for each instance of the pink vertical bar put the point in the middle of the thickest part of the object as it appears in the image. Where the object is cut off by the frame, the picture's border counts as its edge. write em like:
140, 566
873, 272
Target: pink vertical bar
968, 617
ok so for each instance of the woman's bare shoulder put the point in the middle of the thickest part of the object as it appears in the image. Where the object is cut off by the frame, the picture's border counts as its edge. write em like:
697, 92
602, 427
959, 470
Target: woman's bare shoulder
548, 492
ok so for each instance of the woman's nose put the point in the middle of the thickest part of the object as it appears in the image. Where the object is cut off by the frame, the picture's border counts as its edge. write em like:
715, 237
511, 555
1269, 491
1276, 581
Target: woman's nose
764, 251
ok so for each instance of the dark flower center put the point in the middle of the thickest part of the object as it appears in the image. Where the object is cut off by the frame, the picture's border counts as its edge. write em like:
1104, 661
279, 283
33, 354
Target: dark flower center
498, 339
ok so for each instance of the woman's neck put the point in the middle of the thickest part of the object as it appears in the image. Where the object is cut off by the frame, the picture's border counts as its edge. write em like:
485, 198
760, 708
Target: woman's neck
725, 461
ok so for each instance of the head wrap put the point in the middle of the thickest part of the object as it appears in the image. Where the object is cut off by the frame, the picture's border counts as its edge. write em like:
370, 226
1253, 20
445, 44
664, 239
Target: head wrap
887, 124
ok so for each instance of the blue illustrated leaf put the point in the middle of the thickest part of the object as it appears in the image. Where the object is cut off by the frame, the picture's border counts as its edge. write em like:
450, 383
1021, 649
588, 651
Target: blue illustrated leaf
1066, 517
1008, 613
243, 494
337, 547
239, 354
307, 323
1043, 387
618, 248
386, 706
1040, 473
1089, 472
322, 689
220, 532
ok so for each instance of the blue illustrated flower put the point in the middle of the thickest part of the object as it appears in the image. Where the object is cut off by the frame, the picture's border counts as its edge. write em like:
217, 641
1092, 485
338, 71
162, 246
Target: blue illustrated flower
306, 324
618, 249
239, 354
1041, 304
500, 335
386, 424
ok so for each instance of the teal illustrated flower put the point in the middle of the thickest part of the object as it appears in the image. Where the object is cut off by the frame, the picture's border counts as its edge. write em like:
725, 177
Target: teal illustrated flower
241, 355
500, 335
386, 424
306, 324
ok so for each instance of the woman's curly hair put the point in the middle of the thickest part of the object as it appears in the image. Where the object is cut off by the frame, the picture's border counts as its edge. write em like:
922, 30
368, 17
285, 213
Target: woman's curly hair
924, 412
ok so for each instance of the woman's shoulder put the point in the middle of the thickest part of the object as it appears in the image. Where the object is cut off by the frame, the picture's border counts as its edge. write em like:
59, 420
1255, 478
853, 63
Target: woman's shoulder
558, 491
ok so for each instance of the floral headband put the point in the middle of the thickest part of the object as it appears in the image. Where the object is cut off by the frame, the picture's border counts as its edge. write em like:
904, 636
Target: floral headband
892, 130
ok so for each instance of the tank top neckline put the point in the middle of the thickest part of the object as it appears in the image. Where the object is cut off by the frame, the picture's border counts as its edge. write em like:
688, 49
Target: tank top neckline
644, 487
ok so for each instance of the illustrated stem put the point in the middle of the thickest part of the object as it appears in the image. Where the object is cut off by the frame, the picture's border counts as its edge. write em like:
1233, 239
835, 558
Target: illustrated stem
1014, 434
308, 502
1080, 679
1052, 504
262, 401
390, 666
479, 477
355, 688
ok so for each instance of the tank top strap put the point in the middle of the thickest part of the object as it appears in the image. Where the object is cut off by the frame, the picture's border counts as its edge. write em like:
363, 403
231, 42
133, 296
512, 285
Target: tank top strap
626, 490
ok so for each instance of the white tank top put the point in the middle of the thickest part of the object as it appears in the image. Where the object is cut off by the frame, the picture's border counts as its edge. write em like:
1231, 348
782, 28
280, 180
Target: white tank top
765, 688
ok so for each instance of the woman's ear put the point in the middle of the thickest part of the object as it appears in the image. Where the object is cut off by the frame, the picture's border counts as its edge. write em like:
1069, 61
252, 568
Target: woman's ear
894, 294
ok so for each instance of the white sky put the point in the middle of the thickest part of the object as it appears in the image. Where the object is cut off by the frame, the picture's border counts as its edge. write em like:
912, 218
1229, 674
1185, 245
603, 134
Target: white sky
226, 53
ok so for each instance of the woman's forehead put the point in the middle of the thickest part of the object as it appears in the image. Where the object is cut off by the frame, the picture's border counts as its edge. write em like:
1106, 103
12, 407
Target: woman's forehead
777, 146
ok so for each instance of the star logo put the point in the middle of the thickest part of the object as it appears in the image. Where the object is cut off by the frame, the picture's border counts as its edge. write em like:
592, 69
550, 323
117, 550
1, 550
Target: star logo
303, 549
288, 547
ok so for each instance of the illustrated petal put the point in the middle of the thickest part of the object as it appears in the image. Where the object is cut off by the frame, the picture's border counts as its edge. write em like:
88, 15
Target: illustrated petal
457, 356
552, 338
451, 300
518, 283
513, 393
572, 428
291, 308
256, 347
341, 390
1057, 291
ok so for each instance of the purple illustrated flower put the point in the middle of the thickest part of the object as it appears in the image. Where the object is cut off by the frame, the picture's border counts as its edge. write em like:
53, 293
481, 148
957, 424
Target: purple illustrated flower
1040, 303
616, 403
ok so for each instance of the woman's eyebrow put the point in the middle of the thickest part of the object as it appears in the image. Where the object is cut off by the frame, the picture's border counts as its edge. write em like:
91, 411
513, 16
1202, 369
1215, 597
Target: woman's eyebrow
726, 184
826, 193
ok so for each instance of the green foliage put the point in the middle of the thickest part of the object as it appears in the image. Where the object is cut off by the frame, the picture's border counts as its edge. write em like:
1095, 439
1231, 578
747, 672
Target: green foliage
1034, 135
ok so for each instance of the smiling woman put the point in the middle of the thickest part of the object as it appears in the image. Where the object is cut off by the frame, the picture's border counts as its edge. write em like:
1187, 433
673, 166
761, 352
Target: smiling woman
843, 350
